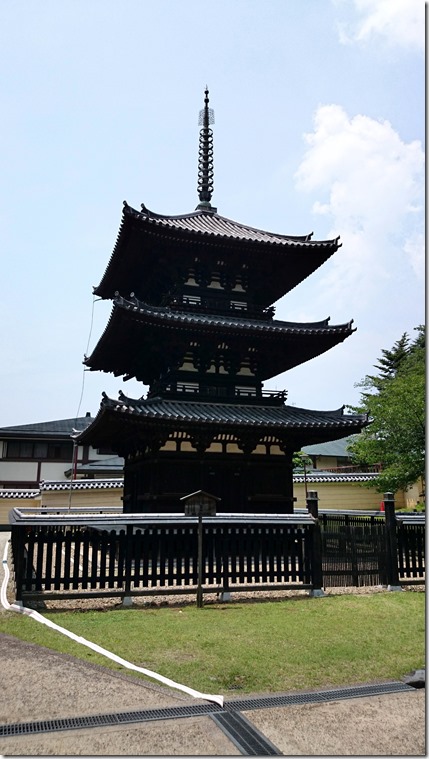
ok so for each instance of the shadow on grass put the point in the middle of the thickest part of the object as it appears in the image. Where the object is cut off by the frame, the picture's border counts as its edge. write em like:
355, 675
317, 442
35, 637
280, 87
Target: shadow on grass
142, 603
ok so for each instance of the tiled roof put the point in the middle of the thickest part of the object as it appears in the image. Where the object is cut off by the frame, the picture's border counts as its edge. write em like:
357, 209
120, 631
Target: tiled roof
106, 484
329, 477
126, 346
50, 485
212, 224
172, 316
17, 493
332, 448
277, 262
290, 416
112, 464
116, 415
57, 428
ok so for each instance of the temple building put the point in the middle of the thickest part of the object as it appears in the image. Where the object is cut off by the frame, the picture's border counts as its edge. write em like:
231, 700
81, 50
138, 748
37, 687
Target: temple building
193, 319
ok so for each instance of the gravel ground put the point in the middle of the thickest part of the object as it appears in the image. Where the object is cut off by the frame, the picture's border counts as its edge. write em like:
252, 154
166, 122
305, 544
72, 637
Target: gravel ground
259, 596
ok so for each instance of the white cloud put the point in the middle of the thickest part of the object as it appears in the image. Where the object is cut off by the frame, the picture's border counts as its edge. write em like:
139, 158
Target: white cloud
415, 249
370, 183
399, 22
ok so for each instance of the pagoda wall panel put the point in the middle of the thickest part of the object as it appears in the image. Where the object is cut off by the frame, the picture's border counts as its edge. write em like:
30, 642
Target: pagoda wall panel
243, 482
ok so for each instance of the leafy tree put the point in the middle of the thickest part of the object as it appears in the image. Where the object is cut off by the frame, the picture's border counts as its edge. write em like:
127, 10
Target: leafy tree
395, 403
301, 461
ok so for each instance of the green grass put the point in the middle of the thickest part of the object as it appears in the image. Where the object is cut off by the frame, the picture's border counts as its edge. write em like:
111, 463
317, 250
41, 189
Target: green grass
251, 647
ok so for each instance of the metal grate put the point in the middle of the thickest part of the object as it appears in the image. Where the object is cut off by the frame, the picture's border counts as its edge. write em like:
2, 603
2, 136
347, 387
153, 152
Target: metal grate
196, 710
103, 720
358, 691
244, 735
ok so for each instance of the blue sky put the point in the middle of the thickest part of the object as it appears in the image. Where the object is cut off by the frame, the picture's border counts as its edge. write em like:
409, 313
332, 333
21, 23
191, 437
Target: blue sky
320, 119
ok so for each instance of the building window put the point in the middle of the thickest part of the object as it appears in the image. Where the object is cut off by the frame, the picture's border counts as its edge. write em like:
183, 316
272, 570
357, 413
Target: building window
24, 449
238, 305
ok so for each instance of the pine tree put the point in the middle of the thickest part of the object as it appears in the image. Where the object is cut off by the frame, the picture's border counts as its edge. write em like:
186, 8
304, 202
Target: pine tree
395, 404
391, 360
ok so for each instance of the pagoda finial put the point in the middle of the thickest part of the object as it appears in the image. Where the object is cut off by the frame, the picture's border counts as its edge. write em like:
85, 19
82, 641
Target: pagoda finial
205, 155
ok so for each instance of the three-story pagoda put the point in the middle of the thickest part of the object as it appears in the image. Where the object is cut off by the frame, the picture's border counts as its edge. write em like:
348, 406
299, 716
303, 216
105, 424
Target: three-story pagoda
192, 318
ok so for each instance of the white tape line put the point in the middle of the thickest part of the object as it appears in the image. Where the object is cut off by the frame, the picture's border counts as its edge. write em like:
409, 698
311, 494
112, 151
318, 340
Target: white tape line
123, 662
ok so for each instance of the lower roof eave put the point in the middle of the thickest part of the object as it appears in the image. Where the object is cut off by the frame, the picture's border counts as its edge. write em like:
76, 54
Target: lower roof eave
117, 425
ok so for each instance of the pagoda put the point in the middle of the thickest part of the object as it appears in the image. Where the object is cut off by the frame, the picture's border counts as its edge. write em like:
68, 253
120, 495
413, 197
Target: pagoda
193, 319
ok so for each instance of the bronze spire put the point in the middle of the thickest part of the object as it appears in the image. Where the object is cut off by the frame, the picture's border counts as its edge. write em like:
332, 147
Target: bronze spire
205, 155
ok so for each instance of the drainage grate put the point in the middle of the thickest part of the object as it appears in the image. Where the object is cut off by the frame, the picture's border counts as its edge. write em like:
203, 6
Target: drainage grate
105, 720
244, 735
196, 710
378, 689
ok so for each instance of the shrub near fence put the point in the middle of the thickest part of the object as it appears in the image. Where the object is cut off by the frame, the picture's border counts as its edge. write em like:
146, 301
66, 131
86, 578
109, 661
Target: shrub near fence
64, 555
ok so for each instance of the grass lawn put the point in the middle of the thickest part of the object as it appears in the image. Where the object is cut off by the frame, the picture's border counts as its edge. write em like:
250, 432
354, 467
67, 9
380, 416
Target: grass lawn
298, 643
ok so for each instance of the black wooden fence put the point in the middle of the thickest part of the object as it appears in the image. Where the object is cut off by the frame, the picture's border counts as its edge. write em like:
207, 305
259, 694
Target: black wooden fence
379, 548
68, 553
410, 534
353, 550
135, 555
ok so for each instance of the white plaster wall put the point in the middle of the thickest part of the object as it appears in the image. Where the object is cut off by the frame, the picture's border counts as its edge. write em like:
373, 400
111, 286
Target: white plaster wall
54, 470
18, 471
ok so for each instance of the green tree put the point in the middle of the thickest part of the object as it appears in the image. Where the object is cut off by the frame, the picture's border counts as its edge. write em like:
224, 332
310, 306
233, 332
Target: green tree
391, 360
395, 403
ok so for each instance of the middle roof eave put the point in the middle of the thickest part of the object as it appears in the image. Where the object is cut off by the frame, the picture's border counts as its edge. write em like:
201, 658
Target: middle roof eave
172, 317
138, 338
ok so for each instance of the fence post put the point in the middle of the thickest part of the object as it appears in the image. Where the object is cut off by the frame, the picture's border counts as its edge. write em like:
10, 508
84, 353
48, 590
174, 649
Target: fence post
391, 543
313, 503
225, 594
18, 558
127, 599
316, 558
200, 560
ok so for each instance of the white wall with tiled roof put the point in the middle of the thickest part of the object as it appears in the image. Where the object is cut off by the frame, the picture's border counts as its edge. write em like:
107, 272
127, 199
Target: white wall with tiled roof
19, 471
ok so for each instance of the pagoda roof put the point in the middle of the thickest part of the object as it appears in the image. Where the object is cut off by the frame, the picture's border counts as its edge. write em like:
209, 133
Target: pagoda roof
117, 420
156, 331
138, 264
209, 222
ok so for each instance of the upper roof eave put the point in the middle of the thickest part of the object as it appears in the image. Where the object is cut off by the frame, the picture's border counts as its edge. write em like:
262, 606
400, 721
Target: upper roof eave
139, 231
212, 224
